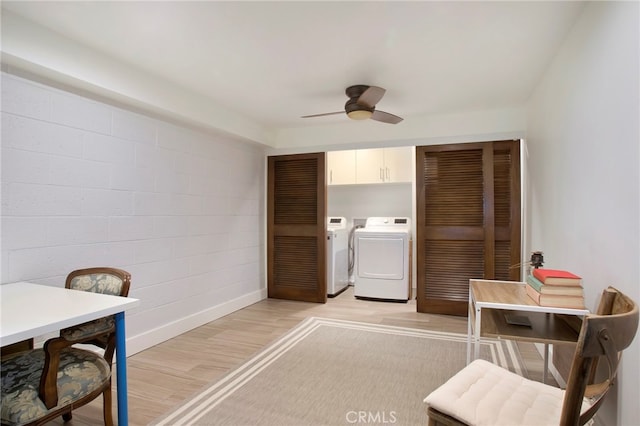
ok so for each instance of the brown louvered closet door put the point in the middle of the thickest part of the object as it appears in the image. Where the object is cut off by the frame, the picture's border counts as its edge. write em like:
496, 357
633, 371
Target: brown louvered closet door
296, 227
468, 220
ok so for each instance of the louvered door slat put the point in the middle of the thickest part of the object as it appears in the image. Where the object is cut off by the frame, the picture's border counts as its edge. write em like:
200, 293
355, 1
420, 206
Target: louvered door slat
503, 262
502, 187
295, 262
463, 205
506, 183
453, 188
296, 229
449, 264
295, 195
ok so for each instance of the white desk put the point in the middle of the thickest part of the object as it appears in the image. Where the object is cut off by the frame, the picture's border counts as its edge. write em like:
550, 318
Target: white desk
500, 297
30, 310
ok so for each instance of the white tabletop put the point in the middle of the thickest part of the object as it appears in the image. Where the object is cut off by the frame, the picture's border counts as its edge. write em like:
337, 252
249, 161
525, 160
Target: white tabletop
30, 310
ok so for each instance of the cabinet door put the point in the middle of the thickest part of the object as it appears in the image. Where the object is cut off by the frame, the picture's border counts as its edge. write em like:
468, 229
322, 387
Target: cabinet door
398, 164
342, 167
370, 165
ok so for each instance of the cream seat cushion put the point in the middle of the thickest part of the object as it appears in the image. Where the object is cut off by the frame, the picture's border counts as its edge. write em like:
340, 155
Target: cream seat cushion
484, 394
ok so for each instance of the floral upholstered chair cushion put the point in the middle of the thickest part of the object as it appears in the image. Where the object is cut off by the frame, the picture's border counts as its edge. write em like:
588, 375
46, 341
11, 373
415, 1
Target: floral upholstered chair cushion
94, 283
80, 372
97, 283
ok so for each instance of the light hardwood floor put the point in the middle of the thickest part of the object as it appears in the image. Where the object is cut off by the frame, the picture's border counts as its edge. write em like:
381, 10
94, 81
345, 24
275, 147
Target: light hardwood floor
162, 377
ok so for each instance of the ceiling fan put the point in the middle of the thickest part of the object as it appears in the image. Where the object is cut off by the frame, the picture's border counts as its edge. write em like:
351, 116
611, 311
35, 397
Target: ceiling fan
362, 105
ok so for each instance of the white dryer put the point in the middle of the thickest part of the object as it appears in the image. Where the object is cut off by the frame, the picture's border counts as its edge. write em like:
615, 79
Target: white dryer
337, 256
383, 259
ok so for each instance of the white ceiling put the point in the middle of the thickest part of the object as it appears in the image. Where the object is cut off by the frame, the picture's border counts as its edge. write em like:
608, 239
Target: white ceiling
273, 62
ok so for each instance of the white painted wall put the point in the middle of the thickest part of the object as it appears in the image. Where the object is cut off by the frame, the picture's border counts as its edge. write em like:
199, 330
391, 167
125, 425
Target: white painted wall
584, 185
41, 51
362, 201
88, 184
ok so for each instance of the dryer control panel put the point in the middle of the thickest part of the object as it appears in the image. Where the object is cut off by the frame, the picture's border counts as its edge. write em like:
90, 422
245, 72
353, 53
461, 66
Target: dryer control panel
387, 222
336, 223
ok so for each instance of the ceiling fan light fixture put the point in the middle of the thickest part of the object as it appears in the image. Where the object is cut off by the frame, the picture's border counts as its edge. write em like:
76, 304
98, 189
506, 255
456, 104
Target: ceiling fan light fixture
361, 114
362, 105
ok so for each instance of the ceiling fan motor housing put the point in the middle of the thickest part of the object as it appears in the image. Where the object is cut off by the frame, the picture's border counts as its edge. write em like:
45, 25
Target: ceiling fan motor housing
355, 91
353, 105
358, 110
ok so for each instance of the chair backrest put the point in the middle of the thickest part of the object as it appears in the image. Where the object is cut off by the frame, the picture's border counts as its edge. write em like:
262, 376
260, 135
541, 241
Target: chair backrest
603, 336
105, 280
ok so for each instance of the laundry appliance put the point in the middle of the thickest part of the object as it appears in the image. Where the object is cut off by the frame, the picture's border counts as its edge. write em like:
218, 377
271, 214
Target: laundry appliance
383, 259
337, 256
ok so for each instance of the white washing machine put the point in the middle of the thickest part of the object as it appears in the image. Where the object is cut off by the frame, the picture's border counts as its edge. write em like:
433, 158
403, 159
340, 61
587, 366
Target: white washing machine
337, 256
383, 259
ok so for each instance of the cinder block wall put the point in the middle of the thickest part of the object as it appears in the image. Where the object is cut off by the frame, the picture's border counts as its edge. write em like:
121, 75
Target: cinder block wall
86, 184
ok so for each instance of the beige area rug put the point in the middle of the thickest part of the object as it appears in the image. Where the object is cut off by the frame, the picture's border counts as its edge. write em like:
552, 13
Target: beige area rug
332, 372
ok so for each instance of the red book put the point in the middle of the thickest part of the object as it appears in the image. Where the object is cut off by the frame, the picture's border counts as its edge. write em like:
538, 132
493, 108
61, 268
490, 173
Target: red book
556, 277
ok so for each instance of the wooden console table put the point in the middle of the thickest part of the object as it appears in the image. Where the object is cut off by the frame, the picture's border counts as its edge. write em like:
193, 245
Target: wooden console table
490, 300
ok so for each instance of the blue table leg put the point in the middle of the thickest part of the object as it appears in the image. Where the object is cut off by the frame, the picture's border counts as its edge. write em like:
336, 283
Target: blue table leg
121, 371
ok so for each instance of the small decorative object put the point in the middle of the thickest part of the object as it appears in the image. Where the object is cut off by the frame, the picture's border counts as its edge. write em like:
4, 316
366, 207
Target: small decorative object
514, 319
537, 259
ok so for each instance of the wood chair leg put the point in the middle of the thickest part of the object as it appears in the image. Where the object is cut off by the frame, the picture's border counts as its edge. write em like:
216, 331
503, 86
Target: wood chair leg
106, 406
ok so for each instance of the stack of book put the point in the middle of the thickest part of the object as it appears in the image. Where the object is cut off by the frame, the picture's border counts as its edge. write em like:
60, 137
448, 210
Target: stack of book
557, 288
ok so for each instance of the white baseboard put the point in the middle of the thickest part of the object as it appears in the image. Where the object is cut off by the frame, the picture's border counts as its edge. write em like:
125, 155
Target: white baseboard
158, 335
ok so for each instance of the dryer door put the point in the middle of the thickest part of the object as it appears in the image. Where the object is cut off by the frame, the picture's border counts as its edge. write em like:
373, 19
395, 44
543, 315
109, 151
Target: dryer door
381, 257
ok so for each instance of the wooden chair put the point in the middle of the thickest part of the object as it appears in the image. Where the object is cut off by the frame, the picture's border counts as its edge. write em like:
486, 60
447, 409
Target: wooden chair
41, 384
483, 393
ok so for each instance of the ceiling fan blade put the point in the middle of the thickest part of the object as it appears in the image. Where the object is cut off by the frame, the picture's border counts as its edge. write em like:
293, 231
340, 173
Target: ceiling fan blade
371, 96
323, 114
385, 117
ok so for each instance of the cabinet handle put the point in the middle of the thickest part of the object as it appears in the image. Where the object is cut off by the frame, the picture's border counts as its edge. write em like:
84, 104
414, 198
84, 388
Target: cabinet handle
330, 176
388, 174
381, 174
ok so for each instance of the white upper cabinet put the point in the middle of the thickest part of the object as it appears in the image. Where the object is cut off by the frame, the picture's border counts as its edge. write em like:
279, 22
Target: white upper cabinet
378, 165
398, 163
341, 167
370, 166
384, 165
